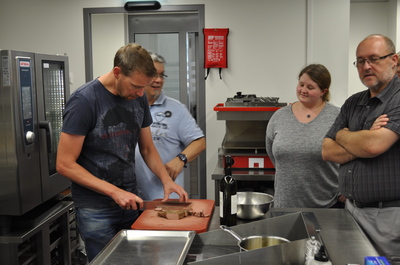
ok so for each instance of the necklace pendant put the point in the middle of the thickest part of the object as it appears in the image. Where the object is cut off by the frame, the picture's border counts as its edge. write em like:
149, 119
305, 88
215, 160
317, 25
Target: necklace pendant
308, 116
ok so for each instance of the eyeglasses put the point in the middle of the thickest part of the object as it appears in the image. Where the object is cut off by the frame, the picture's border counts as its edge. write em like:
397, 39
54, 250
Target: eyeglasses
162, 76
373, 60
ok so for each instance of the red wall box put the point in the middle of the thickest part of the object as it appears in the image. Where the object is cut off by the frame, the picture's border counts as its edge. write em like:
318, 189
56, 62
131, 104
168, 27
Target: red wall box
251, 162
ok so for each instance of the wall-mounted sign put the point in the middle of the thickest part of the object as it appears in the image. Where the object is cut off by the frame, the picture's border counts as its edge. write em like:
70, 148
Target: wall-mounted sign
216, 47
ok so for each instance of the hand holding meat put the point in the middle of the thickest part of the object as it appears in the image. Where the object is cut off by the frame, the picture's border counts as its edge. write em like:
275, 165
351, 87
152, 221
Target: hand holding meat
170, 186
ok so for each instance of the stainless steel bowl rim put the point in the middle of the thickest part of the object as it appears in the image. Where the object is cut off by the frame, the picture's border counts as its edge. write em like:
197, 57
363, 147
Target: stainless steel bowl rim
243, 204
255, 193
249, 208
265, 236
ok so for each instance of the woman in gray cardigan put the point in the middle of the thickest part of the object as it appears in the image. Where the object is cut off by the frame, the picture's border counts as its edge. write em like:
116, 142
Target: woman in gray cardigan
294, 143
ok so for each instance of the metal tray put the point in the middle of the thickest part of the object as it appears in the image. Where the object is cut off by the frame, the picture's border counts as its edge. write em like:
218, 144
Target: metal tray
137, 247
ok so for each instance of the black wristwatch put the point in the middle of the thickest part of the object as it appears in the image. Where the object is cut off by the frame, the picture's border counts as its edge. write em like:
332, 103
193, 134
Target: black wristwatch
183, 158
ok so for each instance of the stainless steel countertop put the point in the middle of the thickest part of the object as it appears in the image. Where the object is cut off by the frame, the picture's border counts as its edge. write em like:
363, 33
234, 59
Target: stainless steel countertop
345, 242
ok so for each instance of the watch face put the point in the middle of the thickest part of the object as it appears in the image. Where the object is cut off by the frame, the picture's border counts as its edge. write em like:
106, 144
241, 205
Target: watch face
182, 157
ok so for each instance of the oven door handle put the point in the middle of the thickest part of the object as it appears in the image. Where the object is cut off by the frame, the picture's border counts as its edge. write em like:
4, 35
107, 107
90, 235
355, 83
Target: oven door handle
49, 133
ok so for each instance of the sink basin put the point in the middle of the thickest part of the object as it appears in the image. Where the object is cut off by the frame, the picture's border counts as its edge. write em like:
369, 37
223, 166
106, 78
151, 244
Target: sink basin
218, 247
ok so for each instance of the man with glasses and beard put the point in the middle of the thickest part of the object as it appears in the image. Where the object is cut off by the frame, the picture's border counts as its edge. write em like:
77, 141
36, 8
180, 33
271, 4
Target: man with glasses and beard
364, 140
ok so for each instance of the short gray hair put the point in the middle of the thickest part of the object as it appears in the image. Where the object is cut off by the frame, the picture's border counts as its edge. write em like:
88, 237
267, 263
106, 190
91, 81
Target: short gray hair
156, 57
389, 43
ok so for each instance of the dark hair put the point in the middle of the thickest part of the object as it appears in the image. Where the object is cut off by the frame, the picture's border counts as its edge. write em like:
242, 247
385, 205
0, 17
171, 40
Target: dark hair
320, 75
133, 57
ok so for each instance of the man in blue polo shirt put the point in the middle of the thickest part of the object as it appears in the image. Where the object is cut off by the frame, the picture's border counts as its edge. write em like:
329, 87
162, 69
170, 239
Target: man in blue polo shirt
176, 136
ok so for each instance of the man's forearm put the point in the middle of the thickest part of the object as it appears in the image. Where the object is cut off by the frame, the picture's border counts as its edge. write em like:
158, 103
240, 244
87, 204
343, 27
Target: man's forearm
332, 151
360, 143
194, 149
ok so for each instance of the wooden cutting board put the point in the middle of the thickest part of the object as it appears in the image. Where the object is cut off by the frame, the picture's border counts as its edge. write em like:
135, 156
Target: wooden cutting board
149, 220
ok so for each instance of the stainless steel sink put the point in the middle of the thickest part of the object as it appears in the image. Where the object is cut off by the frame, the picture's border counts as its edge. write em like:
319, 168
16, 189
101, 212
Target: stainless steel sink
218, 247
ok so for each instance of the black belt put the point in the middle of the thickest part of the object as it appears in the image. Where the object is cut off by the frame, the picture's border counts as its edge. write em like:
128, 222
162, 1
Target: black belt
377, 204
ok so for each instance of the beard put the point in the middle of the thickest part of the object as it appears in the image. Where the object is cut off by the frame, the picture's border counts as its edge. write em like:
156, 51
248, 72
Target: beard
379, 83
157, 93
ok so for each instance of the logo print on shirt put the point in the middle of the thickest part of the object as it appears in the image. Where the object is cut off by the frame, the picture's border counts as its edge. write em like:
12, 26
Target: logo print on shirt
160, 116
160, 128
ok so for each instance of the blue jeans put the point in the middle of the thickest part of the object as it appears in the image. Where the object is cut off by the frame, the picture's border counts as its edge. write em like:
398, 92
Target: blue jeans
97, 226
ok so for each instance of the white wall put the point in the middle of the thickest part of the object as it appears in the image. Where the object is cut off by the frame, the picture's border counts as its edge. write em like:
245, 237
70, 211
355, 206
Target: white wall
267, 50
48, 26
396, 9
328, 44
106, 45
269, 42
365, 19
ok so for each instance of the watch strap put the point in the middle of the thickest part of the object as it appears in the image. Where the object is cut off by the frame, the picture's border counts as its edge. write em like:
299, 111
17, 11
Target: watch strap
183, 158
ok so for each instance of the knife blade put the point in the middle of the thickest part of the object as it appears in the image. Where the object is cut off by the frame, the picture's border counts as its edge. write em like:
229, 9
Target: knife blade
155, 204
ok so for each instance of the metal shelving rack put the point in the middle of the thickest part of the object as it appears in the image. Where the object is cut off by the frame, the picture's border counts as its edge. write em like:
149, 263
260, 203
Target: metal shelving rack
40, 238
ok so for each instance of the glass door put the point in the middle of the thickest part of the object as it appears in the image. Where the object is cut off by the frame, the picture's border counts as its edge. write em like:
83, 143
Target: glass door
175, 32
175, 37
52, 84
54, 103
167, 45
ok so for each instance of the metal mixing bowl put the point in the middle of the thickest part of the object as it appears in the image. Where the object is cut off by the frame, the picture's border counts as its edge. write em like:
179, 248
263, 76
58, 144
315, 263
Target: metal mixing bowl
253, 205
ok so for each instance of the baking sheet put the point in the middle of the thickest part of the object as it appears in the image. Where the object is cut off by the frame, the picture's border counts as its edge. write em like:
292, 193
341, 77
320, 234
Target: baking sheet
137, 247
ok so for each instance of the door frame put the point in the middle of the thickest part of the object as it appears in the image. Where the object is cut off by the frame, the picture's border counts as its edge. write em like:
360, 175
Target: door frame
200, 71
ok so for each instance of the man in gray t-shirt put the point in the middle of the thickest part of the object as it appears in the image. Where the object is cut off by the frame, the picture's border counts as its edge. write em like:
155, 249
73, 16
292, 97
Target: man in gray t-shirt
103, 122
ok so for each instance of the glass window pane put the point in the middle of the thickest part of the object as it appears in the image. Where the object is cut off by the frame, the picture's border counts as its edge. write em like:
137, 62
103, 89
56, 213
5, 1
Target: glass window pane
166, 45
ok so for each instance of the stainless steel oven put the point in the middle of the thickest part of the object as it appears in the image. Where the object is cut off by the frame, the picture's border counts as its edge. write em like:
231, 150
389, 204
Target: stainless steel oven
246, 118
33, 91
